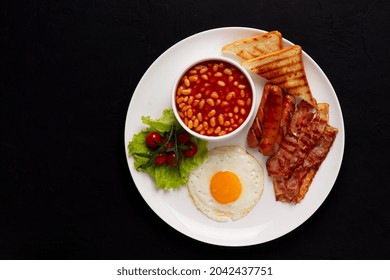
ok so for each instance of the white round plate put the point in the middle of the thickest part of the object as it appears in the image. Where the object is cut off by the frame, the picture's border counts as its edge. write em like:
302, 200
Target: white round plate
269, 219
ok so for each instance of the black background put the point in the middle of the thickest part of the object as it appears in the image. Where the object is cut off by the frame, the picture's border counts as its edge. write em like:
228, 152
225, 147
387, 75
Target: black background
68, 72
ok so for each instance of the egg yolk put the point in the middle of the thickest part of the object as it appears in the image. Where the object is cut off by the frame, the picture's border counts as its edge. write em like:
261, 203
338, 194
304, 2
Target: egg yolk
225, 187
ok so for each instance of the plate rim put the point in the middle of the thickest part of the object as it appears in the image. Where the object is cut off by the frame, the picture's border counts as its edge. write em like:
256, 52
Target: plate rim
323, 77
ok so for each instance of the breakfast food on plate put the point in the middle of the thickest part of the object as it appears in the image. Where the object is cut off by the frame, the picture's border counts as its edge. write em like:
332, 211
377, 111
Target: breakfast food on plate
306, 127
289, 127
272, 120
304, 140
288, 108
255, 46
303, 146
297, 139
213, 98
228, 184
284, 68
305, 173
166, 152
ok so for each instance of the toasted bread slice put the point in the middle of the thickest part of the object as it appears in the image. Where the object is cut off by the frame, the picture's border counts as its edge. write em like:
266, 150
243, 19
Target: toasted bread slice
255, 46
284, 68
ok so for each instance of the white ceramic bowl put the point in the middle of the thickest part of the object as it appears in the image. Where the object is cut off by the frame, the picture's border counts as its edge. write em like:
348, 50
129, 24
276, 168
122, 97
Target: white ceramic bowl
246, 119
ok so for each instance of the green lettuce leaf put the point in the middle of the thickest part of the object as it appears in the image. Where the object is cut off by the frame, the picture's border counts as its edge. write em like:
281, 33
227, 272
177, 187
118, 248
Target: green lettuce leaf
165, 176
162, 124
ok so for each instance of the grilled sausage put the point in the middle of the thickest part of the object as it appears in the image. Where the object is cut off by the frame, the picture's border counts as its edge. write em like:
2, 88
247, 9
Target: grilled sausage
252, 139
288, 108
287, 111
256, 130
272, 116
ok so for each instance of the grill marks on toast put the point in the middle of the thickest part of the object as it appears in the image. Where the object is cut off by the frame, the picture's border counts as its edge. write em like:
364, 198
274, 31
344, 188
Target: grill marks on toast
308, 136
284, 68
255, 46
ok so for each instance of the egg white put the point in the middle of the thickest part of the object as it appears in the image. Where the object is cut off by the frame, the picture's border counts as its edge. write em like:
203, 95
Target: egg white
245, 166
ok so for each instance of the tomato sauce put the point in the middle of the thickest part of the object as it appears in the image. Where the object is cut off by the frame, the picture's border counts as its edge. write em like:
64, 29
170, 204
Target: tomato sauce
213, 98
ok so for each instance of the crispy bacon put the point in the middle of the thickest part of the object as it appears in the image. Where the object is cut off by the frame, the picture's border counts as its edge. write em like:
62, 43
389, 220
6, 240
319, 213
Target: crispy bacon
289, 145
302, 151
302, 117
294, 188
315, 159
296, 137
299, 140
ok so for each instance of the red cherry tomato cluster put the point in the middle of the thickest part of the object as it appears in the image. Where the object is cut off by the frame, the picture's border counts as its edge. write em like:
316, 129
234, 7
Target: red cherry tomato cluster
169, 150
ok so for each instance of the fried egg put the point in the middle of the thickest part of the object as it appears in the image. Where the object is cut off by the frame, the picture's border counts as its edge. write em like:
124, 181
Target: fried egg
228, 184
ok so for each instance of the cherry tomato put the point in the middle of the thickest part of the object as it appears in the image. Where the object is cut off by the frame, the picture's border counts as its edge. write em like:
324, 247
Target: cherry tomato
183, 138
152, 140
192, 151
161, 158
171, 159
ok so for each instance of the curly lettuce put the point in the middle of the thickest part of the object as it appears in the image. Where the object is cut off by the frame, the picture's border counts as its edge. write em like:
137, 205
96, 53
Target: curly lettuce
165, 176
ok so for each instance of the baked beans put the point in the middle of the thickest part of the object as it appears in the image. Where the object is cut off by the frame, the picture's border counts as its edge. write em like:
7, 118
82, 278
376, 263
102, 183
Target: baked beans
211, 96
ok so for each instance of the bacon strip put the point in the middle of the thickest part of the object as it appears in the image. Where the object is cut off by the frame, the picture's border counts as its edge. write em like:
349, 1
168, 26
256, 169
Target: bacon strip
285, 159
300, 164
297, 139
302, 117
311, 134
315, 159
294, 188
